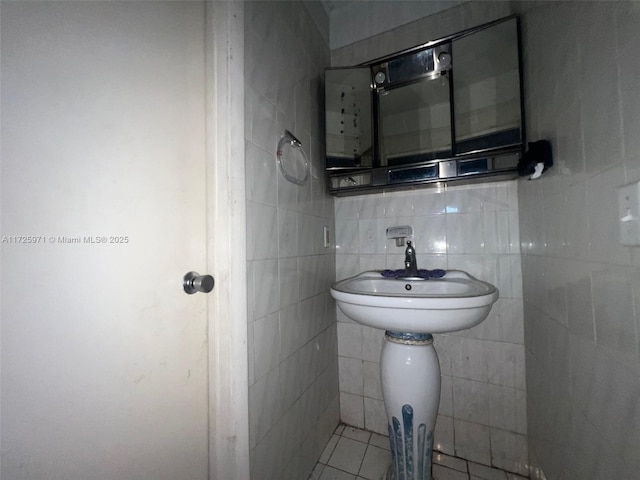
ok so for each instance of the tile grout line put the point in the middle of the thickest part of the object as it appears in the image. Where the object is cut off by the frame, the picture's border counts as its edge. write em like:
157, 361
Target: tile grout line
363, 457
332, 450
342, 428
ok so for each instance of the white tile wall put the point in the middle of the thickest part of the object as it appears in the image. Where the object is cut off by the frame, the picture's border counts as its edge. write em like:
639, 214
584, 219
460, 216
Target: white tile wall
473, 228
293, 381
469, 228
450, 20
580, 285
581, 288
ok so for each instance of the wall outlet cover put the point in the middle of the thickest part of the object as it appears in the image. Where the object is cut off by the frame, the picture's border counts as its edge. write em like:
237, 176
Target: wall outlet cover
629, 214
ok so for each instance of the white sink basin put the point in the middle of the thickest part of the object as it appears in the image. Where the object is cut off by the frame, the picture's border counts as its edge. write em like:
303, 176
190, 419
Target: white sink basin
456, 301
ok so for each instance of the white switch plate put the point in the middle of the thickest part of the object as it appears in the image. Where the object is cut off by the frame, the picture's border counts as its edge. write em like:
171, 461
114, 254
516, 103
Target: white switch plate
629, 214
326, 236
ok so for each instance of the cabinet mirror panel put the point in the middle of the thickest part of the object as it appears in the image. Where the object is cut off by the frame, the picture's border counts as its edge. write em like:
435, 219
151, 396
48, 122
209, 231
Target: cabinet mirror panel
487, 89
415, 122
349, 136
449, 110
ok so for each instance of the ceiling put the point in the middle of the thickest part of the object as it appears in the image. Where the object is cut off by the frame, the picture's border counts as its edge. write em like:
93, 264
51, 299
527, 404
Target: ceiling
354, 20
331, 5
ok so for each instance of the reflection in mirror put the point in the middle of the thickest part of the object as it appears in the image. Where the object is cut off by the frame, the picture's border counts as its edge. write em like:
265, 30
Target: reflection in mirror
349, 137
415, 122
487, 89
449, 110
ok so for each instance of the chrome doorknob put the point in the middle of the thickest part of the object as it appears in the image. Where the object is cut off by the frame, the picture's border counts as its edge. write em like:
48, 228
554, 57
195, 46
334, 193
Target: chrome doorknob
194, 282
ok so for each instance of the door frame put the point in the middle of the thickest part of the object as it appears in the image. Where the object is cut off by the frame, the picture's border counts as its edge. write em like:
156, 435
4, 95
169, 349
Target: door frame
226, 243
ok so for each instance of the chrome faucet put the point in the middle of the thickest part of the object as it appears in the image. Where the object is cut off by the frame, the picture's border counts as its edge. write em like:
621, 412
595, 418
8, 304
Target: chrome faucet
410, 263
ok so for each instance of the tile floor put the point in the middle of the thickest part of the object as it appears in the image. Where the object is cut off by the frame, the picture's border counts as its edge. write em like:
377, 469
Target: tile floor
354, 454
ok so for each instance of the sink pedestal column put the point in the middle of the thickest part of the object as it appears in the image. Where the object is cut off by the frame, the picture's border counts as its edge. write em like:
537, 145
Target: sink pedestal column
410, 374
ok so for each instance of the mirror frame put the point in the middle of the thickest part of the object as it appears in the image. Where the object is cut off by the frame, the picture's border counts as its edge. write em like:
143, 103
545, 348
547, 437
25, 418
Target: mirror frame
500, 162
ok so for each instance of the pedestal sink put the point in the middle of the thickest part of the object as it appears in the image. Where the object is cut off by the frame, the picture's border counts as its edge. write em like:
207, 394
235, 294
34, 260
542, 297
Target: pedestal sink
410, 310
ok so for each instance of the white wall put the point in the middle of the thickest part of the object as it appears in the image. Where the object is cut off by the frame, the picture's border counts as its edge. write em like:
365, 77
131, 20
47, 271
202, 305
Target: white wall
402, 24
293, 376
355, 21
581, 287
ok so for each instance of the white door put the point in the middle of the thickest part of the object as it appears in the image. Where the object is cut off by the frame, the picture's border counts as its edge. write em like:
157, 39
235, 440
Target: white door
104, 357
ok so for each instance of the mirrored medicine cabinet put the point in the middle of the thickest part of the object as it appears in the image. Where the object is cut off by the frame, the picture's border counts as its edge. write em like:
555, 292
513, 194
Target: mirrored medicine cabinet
450, 110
